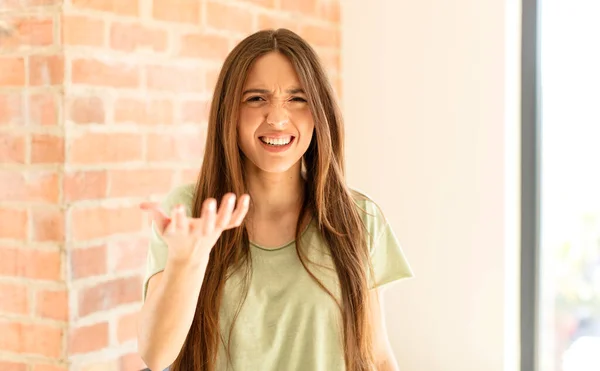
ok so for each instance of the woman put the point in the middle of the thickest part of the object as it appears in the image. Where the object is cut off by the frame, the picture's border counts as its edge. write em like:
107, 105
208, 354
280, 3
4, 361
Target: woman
288, 278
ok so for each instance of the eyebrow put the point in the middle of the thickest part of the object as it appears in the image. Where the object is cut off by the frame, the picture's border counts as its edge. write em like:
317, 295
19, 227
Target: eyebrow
266, 92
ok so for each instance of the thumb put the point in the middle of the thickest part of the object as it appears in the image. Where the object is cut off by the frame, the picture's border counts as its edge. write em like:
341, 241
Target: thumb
158, 216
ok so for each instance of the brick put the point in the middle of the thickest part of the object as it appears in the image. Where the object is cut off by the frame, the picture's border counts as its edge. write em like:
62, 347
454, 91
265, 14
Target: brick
139, 183
321, 36
329, 10
177, 147
110, 294
261, 3
48, 224
306, 7
12, 366
195, 111
176, 79
82, 30
129, 7
128, 254
52, 304
96, 148
12, 71
111, 365
36, 32
35, 339
28, 4
88, 262
211, 78
113, 74
46, 70
189, 175
131, 361
88, 339
12, 148
33, 3
33, 264
226, 17
14, 299
10, 5
27, 32
202, 45
47, 149
85, 185
338, 87
43, 2
130, 37
46, 367
43, 109
11, 109
330, 60
32, 186
87, 110
181, 11
127, 327
92, 223
13, 223
150, 112
268, 21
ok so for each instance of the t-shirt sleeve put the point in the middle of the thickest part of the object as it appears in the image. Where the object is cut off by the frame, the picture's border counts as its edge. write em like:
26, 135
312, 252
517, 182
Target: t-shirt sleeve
388, 260
157, 249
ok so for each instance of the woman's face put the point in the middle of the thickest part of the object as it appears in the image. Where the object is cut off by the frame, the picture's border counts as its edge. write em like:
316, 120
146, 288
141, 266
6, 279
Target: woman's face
276, 124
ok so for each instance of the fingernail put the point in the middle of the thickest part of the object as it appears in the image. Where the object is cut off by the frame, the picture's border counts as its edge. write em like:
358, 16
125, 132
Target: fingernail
231, 201
211, 205
246, 201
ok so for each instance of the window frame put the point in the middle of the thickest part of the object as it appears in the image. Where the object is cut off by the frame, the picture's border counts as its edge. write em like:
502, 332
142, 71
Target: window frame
530, 186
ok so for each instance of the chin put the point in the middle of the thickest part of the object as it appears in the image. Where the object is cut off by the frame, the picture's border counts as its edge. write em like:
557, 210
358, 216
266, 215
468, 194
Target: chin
275, 167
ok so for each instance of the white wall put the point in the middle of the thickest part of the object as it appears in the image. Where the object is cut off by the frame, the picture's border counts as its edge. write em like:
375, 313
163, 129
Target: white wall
431, 99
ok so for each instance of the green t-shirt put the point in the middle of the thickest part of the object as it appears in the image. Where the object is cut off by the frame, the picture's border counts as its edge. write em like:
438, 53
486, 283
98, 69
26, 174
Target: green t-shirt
287, 321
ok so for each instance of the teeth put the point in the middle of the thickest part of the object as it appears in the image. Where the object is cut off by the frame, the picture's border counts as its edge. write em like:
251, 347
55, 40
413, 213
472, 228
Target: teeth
277, 141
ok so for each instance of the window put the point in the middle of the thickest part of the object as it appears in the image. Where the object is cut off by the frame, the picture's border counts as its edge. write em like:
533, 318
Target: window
561, 186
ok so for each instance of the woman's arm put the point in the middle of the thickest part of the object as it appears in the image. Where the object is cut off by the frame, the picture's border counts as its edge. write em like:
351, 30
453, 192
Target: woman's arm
172, 296
167, 314
382, 350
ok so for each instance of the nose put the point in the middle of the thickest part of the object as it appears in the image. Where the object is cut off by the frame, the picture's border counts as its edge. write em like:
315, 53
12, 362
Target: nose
277, 116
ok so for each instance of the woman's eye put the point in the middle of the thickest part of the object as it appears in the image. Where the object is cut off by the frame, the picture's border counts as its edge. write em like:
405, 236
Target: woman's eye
298, 99
255, 99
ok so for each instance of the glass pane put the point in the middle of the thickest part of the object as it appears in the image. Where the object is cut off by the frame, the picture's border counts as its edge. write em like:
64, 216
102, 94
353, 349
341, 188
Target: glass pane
570, 185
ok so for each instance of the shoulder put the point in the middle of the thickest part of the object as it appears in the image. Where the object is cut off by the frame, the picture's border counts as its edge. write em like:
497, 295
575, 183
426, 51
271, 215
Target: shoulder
368, 208
181, 195
388, 262
371, 214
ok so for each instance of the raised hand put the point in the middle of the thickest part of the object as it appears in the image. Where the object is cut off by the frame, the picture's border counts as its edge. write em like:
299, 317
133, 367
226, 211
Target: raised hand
193, 238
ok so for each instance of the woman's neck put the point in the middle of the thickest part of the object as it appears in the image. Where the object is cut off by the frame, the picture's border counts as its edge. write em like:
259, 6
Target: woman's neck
274, 194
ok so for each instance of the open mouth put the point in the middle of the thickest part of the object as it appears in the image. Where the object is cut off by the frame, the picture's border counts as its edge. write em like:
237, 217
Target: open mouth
277, 142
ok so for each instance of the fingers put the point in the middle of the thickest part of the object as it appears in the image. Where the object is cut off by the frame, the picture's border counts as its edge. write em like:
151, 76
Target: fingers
208, 215
225, 210
180, 221
240, 211
228, 216
160, 219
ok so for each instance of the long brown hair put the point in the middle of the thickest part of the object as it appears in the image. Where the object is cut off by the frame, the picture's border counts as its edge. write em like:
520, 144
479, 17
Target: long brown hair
326, 196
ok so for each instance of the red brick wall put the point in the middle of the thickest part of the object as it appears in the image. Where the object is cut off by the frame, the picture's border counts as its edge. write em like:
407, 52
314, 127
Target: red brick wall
33, 288
103, 104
